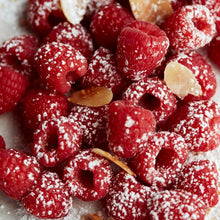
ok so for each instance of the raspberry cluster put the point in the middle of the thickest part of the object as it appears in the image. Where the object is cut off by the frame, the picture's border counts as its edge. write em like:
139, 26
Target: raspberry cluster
150, 124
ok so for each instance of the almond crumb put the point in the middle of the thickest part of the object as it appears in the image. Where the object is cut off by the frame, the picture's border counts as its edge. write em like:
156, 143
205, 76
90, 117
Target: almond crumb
114, 159
181, 80
152, 11
91, 97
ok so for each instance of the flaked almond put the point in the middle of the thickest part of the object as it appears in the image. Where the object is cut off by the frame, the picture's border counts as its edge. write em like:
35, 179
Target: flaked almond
91, 97
181, 80
154, 11
114, 159
74, 10
90, 216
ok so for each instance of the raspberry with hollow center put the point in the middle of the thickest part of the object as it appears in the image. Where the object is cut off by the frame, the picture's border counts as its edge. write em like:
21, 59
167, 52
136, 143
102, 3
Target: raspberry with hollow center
87, 176
59, 65
141, 47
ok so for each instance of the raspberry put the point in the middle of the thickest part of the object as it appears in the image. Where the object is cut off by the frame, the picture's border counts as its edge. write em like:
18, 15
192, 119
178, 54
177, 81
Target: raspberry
42, 15
48, 198
102, 71
213, 50
18, 52
75, 35
162, 159
92, 121
128, 128
107, 23
198, 123
190, 27
13, 86
19, 172
176, 4
152, 94
88, 176
41, 105
201, 178
177, 205
59, 65
127, 198
56, 140
141, 48
203, 72
2, 143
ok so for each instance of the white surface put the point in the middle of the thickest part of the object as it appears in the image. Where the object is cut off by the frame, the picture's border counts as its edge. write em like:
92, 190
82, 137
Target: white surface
11, 16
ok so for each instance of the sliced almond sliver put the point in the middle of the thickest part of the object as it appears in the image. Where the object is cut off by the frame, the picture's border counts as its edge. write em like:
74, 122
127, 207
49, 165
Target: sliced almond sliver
181, 80
91, 97
152, 10
90, 216
114, 159
74, 10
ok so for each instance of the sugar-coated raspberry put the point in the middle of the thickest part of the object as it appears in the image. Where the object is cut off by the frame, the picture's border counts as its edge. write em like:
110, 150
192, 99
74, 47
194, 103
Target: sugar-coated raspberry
49, 198
128, 128
19, 172
94, 5
42, 15
13, 86
92, 121
127, 198
141, 47
56, 140
102, 71
162, 159
190, 27
2, 143
59, 65
198, 123
107, 23
75, 35
201, 178
176, 4
214, 50
203, 72
18, 52
152, 94
177, 205
88, 176
40, 105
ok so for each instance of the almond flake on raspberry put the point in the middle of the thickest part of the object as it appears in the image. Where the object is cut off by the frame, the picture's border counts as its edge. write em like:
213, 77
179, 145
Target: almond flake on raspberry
74, 10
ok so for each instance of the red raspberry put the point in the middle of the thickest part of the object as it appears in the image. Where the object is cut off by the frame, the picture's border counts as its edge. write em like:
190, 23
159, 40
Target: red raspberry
18, 52
43, 15
102, 71
75, 35
190, 27
176, 4
162, 158
19, 172
214, 50
92, 121
177, 205
201, 178
198, 123
203, 72
154, 95
108, 22
41, 105
88, 176
214, 7
128, 128
48, 198
56, 140
2, 143
141, 48
59, 65
13, 86
127, 198
94, 5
